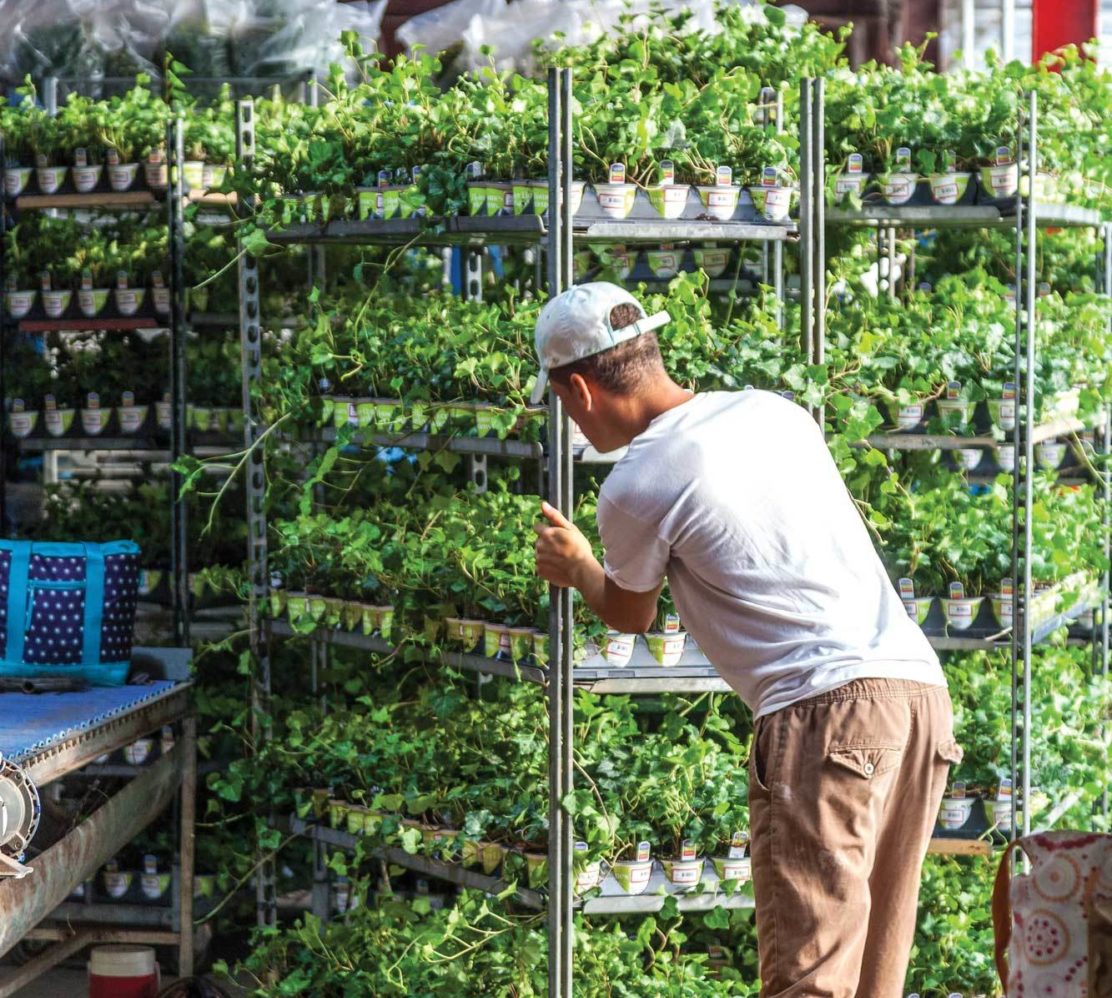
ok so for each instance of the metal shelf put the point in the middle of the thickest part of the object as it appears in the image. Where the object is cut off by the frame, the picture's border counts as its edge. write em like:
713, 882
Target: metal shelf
454, 873
959, 847
95, 199
138, 444
490, 446
680, 230
961, 216
1002, 638
610, 900
83, 325
933, 441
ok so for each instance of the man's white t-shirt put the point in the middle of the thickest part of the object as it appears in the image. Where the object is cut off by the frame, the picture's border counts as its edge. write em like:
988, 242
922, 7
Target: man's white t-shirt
735, 498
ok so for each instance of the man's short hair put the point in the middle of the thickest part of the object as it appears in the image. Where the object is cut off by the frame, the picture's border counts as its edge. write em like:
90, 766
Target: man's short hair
621, 369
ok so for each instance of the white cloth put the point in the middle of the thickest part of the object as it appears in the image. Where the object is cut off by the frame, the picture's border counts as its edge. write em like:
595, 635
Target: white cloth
735, 498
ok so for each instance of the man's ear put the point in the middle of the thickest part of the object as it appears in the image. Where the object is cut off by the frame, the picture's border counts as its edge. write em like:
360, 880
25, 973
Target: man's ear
581, 392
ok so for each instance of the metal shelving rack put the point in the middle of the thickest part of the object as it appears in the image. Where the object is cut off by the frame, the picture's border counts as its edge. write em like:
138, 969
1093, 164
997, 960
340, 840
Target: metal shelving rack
1025, 216
172, 204
557, 233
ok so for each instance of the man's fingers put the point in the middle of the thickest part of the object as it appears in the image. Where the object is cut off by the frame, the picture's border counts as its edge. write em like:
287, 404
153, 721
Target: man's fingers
554, 516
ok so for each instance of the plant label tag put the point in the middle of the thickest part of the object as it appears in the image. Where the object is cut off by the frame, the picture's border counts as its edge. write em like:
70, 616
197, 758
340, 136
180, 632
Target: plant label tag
687, 850
769, 176
1004, 789
737, 845
788, 394
724, 177
121, 279
44, 280
957, 590
79, 157
415, 173
907, 588
717, 956
401, 176
903, 159
92, 401
580, 846
1003, 156
855, 162
86, 280
473, 170
127, 399
953, 390
383, 178
154, 157
1008, 394
18, 405
958, 792
41, 161
617, 173
644, 851
156, 278
948, 162
112, 156
1006, 589
1042, 289
672, 623
925, 287
667, 172
49, 403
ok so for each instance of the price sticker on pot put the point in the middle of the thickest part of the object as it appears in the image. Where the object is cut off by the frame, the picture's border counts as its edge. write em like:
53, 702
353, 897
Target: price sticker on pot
769, 176
688, 850
1004, 790
953, 390
855, 163
667, 172
1003, 156
903, 159
958, 791
644, 851
723, 176
617, 173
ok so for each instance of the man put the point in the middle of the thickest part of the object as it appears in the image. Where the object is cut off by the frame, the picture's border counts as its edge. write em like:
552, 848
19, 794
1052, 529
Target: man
734, 498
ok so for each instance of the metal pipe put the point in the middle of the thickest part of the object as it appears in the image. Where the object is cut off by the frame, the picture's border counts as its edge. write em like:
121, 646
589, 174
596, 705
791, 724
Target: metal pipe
806, 228
818, 186
188, 846
968, 32
1007, 30
25, 903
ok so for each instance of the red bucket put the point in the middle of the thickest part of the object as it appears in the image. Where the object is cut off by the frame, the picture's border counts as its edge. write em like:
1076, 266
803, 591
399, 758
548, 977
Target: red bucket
123, 972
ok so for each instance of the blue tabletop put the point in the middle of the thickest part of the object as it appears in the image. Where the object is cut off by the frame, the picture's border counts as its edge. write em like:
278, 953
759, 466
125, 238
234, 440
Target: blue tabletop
30, 722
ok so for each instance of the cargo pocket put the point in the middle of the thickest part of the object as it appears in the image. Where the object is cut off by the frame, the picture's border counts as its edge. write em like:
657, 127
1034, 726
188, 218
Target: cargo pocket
866, 761
759, 751
950, 751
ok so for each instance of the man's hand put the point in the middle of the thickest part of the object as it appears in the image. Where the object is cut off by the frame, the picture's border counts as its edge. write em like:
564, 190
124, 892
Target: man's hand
564, 555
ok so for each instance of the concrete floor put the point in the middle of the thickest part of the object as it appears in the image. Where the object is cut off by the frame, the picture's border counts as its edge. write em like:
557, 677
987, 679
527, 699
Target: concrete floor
62, 982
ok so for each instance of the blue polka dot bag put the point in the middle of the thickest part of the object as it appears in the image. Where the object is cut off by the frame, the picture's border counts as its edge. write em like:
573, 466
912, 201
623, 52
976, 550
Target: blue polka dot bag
68, 610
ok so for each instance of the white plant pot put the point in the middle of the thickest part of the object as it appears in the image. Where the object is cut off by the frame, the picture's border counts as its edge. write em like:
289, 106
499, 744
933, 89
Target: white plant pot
1000, 181
138, 751
129, 300
1049, 454
632, 877
909, 417
955, 812
618, 648
960, 613
58, 421
20, 303
949, 188
91, 301
193, 172
773, 203
683, 872
16, 179
157, 175
999, 813
850, 183
918, 608
664, 264
122, 176
616, 200
1003, 609
22, 424
50, 178
1005, 457
713, 262
93, 421
667, 649
213, 175
720, 201
898, 188
163, 412
669, 200
955, 411
132, 417
969, 457
733, 869
55, 303
85, 178
116, 883
588, 878
1002, 413
160, 298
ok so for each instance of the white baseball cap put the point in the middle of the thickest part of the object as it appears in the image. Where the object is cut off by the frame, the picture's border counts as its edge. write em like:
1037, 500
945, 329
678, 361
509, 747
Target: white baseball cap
576, 324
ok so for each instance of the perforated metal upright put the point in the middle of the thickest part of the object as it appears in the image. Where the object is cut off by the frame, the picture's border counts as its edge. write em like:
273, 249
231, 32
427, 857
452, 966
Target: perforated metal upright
561, 696
251, 342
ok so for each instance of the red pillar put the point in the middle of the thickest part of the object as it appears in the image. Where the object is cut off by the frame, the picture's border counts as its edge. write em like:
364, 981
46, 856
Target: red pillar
1055, 23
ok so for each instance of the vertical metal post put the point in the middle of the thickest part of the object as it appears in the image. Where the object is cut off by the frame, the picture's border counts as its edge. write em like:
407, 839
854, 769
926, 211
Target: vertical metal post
187, 851
320, 902
251, 344
890, 242
1029, 449
179, 550
3, 336
806, 218
1106, 476
50, 95
968, 32
778, 246
818, 186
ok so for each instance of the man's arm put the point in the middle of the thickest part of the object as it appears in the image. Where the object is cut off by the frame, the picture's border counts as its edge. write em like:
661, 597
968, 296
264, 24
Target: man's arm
565, 558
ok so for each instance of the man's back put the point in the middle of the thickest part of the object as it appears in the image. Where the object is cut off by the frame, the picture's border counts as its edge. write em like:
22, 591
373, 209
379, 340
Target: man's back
735, 497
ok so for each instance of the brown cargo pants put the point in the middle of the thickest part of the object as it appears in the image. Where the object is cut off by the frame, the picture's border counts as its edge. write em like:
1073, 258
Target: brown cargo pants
844, 790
